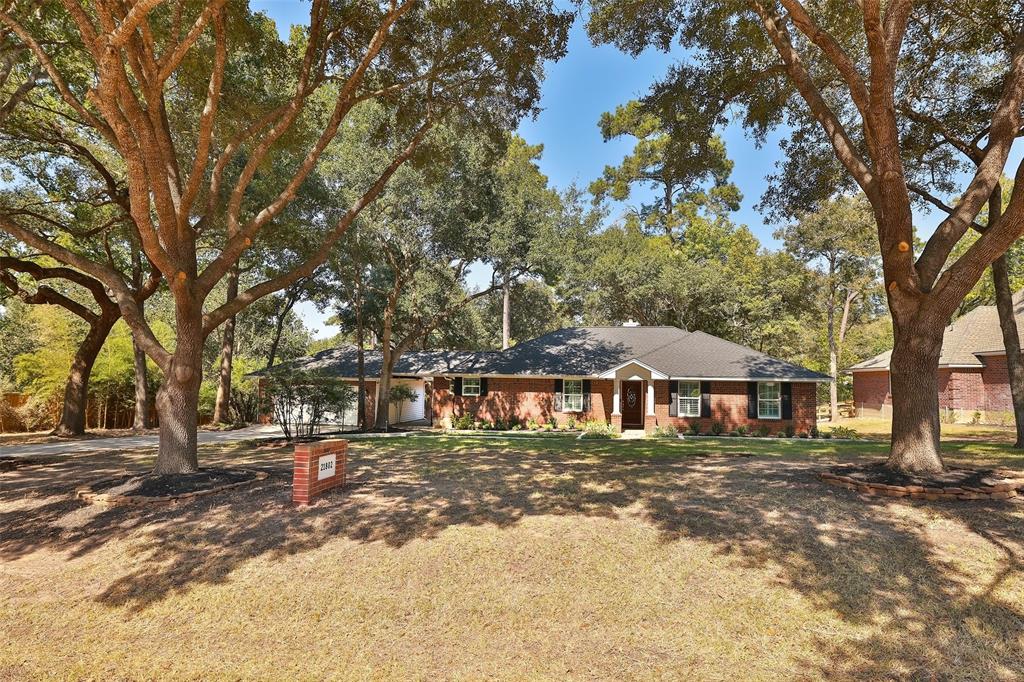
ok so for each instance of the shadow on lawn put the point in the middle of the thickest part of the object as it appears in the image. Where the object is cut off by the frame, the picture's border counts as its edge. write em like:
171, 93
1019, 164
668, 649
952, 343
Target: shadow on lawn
868, 561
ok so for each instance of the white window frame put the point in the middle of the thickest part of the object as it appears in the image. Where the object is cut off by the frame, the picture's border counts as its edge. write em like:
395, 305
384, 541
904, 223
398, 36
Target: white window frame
467, 391
689, 405
762, 403
567, 395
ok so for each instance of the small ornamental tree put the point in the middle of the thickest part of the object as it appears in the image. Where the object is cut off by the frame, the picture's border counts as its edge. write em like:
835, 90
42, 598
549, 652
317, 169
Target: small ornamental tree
302, 401
196, 98
400, 393
835, 71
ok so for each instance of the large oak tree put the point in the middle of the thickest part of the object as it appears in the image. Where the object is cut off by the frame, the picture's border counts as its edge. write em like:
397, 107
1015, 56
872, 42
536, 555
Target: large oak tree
135, 75
840, 66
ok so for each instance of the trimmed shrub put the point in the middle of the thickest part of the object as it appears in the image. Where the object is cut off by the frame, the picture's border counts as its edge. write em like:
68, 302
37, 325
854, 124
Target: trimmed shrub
598, 430
464, 422
693, 429
843, 432
667, 431
763, 431
717, 428
790, 430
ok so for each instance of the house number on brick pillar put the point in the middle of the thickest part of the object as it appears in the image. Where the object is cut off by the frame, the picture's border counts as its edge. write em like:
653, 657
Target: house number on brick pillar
318, 468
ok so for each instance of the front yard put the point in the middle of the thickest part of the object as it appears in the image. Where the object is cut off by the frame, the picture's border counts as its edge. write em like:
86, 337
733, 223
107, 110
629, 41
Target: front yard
476, 557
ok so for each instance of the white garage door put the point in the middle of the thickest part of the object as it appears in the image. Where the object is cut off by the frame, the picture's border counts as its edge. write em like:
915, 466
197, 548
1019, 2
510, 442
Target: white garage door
410, 410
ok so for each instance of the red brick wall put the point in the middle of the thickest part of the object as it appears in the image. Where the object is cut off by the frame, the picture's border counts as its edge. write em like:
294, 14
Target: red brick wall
871, 391
524, 399
963, 389
517, 398
729, 406
995, 379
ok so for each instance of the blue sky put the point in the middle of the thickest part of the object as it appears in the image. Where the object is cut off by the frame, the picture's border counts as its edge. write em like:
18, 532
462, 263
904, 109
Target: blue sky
577, 90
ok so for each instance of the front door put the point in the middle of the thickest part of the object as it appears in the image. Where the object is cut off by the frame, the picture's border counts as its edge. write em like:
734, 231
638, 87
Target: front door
632, 404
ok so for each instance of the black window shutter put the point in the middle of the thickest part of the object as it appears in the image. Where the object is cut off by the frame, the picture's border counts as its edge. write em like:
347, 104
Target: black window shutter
483, 386
705, 398
586, 395
787, 401
752, 400
673, 401
558, 385
558, 395
458, 385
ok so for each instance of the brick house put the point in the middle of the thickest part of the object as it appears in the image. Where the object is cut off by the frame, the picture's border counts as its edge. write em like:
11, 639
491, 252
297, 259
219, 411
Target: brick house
973, 377
632, 377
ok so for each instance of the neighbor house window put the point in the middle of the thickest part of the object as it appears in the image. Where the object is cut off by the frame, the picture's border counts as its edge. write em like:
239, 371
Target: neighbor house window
471, 386
689, 398
769, 400
572, 395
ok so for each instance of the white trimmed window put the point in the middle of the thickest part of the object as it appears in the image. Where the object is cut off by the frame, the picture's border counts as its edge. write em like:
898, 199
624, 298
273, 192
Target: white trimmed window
471, 386
689, 398
769, 400
572, 395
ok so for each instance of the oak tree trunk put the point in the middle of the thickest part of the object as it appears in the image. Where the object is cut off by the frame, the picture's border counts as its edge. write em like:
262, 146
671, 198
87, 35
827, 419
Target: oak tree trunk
1011, 342
141, 420
360, 368
833, 386
383, 421
833, 355
913, 375
222, 404
76, 390
506, 314
177, 401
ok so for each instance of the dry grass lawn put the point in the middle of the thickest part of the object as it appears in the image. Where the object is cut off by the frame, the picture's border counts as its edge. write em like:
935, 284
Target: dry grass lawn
471, 558
881, 428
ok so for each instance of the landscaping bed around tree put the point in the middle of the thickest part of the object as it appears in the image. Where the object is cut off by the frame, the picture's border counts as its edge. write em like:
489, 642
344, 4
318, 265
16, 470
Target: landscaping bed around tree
135, 488
956, 483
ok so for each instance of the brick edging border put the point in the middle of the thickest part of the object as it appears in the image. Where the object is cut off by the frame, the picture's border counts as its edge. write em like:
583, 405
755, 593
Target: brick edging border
1000, 491
86, 493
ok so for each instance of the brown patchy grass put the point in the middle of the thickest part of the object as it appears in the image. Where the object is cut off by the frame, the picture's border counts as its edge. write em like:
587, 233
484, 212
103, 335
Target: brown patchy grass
880, 428
40, 437
473, 557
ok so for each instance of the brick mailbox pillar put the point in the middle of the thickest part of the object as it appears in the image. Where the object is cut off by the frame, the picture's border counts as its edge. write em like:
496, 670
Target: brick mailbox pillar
318, 467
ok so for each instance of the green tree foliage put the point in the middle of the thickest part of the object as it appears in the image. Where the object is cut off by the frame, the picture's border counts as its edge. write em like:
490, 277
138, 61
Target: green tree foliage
851, 78
719, 281
688, 178
839, 241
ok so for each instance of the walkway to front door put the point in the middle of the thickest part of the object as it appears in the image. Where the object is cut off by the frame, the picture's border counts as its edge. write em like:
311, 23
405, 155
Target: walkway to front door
632, 404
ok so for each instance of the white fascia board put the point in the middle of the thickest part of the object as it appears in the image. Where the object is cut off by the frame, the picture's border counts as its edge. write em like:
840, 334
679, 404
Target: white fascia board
610, 374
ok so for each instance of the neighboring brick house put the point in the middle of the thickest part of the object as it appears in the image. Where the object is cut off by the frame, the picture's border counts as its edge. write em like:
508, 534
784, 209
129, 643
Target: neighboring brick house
632, 377
973, 377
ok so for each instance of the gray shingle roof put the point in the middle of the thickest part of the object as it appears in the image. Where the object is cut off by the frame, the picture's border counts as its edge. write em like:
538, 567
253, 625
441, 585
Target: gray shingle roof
342, 362
582, 351
976, 332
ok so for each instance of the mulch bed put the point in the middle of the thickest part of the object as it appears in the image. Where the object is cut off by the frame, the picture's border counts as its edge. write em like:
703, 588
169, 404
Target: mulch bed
135, 488
952, 484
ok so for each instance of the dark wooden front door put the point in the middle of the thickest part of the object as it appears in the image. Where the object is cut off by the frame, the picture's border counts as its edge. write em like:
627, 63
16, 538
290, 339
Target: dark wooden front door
632, 404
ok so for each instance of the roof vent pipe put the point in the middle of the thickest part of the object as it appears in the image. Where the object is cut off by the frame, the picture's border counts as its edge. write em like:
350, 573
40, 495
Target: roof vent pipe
630, 323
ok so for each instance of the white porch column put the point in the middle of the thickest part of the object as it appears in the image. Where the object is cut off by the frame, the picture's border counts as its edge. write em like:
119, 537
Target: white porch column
615, 398
650, 397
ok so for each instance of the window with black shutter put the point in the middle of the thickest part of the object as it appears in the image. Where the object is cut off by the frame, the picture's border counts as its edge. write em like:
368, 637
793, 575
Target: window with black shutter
673, 399
705, 398
457, 385
752, 400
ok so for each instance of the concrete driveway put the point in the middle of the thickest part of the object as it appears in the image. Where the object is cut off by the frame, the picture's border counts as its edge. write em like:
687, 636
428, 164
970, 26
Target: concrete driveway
133, 442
